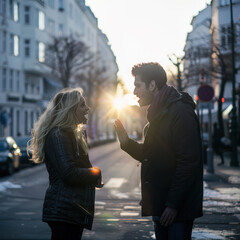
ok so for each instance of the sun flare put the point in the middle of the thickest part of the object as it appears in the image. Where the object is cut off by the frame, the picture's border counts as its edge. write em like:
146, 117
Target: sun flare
119, 103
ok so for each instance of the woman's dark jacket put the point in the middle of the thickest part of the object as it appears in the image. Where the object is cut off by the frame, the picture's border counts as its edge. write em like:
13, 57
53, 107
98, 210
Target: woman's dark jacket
172, 167
71, 193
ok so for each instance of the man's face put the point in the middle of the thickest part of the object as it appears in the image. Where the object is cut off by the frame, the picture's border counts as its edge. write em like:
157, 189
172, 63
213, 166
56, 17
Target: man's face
145, 96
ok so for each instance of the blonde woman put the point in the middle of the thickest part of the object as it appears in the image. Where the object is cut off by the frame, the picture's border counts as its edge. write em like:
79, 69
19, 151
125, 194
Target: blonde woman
60, 142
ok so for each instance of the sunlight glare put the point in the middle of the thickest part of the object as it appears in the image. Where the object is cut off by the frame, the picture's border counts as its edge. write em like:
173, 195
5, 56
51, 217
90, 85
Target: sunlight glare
119, 103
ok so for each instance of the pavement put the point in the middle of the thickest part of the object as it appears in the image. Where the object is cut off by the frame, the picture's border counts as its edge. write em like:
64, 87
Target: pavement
119, 217
225, 172
221, 204
221, 207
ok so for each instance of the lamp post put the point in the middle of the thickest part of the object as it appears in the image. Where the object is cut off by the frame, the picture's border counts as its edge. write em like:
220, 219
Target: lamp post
234, 159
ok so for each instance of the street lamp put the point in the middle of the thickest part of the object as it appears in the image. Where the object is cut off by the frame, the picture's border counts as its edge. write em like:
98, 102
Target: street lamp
234, 159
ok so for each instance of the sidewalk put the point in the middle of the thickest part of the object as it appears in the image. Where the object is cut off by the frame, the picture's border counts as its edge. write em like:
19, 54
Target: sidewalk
224, 172
221, 205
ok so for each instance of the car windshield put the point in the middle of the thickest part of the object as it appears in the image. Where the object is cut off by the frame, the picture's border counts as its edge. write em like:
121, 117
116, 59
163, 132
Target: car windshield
3, 146
22, 142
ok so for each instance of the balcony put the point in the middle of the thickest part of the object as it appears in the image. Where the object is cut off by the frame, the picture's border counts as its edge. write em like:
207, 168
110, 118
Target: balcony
31, 98
35, 67
14, 96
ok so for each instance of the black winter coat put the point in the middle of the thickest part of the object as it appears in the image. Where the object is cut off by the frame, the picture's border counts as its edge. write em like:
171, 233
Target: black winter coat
172, 167
71, 193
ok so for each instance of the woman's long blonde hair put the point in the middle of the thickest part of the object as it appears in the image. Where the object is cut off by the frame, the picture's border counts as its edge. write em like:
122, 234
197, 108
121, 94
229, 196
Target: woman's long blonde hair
60, 112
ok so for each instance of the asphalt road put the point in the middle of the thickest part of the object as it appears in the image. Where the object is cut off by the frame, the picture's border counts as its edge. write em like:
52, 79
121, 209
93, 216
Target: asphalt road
117, 213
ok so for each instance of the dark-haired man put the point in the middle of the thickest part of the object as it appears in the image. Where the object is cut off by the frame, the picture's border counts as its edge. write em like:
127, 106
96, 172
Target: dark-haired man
172, 167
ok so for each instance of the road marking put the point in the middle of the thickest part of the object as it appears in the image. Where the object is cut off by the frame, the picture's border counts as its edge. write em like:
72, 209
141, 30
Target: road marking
115, 182
112, 219
6, 184
99, 207
143, 220
206, 235
100, 203
237, 215
124, 214
113, 209
198, 235
25, 213
132, 207
119, 195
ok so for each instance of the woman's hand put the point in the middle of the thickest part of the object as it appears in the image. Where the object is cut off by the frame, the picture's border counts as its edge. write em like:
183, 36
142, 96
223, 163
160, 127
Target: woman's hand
97, 171
121, 132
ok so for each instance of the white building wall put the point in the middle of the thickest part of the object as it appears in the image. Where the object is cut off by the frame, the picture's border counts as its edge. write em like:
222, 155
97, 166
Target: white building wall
24, 97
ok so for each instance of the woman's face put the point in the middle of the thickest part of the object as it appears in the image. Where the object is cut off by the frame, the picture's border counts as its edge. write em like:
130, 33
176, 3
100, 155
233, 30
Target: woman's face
82, 112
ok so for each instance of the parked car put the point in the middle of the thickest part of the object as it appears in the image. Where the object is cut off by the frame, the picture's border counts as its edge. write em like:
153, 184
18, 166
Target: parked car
9, 155
25, 157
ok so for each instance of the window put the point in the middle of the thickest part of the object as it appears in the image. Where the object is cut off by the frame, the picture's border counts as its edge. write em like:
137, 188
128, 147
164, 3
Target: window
70, 11
40, 51
226, 36
4, 7
227, 2
18, 122
26, 123
60, 30
51, 3
4, 41
40, 20
27, 15
14, 45
51, 26
27, 47
18, 80
32, 119
4, 79
11, 123
11, 80
32, 88
26, 87
229, 36
14, 10
60, 4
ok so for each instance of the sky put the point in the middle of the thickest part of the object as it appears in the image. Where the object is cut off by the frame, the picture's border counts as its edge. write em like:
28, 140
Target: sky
145, 30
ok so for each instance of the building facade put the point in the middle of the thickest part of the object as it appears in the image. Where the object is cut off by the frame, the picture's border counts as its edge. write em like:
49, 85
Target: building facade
211, 30
208, 52
26, 27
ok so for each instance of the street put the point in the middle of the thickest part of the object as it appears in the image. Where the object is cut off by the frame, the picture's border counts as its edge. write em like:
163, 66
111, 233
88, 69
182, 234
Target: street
117, 213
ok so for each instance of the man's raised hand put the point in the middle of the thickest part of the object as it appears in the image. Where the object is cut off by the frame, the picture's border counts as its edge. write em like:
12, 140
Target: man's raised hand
121, 132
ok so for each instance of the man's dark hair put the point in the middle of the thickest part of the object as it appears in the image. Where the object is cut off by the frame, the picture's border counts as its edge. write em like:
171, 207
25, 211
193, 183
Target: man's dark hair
150, 71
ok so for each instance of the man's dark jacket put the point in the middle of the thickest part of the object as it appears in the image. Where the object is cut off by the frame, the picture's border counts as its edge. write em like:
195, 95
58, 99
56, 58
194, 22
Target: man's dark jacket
172, 167
71, 193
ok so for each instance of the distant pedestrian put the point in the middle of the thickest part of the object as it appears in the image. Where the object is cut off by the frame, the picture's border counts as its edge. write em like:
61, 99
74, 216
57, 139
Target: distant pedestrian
218, 146
172, 167
59, 141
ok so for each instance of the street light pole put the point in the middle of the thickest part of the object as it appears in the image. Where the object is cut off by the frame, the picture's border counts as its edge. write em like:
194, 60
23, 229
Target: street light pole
234, 159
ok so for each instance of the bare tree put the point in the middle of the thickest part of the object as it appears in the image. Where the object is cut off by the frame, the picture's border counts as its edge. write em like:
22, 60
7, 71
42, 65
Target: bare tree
66, 57
178, 81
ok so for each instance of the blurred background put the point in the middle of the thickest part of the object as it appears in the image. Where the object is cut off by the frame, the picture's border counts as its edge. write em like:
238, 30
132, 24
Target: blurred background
47, 45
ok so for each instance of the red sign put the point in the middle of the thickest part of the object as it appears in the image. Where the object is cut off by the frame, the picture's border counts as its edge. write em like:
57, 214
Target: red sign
205, 93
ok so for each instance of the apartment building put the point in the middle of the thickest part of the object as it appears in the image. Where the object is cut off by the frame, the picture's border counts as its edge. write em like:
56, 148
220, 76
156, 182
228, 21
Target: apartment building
26, 82
211, 29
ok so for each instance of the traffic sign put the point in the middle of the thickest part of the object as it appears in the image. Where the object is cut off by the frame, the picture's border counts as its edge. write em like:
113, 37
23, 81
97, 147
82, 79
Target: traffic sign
205, 93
